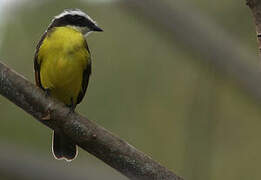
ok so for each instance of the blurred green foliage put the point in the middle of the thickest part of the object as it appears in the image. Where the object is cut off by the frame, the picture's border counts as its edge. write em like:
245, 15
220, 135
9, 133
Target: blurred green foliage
148, 90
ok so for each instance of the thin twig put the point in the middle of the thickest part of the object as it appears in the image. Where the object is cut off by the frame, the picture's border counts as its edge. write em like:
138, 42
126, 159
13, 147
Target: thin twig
255, 6
91, 137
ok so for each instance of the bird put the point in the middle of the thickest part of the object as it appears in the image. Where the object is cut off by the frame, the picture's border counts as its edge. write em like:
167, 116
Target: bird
62, 65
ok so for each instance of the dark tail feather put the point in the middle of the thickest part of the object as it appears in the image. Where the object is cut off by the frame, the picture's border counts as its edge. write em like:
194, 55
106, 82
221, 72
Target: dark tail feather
63, 147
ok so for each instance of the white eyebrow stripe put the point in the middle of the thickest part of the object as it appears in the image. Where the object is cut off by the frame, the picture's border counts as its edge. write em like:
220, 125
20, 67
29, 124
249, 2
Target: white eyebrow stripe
75, 12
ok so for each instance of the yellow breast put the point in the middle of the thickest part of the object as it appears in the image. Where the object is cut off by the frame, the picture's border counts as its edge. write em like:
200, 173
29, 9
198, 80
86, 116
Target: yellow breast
63, 57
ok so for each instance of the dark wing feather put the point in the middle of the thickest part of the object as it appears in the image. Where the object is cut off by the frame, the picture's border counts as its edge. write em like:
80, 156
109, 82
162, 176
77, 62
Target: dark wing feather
86, 76
36, 64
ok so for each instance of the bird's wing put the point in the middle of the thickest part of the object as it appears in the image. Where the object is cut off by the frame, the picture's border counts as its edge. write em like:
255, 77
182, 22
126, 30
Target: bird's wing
37, 63
86, 75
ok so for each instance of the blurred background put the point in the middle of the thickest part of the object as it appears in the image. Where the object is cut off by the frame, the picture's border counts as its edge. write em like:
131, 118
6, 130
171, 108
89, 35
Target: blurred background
176, 79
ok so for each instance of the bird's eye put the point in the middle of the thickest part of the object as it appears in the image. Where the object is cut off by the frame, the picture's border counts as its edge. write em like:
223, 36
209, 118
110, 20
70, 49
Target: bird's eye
80, 18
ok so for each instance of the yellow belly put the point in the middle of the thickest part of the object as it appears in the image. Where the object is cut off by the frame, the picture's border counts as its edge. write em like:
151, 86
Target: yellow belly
63, 58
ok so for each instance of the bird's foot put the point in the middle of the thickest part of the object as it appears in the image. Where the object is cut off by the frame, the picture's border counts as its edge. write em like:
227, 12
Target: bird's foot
47, 92
72, 107
47, 116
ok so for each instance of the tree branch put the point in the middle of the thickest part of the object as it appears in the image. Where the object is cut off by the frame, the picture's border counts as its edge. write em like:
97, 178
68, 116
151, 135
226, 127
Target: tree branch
91, 137
255, 6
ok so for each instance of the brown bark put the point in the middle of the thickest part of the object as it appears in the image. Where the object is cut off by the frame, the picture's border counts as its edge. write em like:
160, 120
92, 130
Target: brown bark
255, 6
91, 137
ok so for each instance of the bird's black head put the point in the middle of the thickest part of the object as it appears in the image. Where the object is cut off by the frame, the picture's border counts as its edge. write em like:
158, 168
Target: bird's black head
75, 18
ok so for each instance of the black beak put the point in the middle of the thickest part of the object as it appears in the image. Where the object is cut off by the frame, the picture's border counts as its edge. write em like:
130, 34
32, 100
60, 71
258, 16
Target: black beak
96, 28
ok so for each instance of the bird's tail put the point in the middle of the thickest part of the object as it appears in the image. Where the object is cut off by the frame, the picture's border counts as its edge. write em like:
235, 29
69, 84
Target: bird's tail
63, 148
